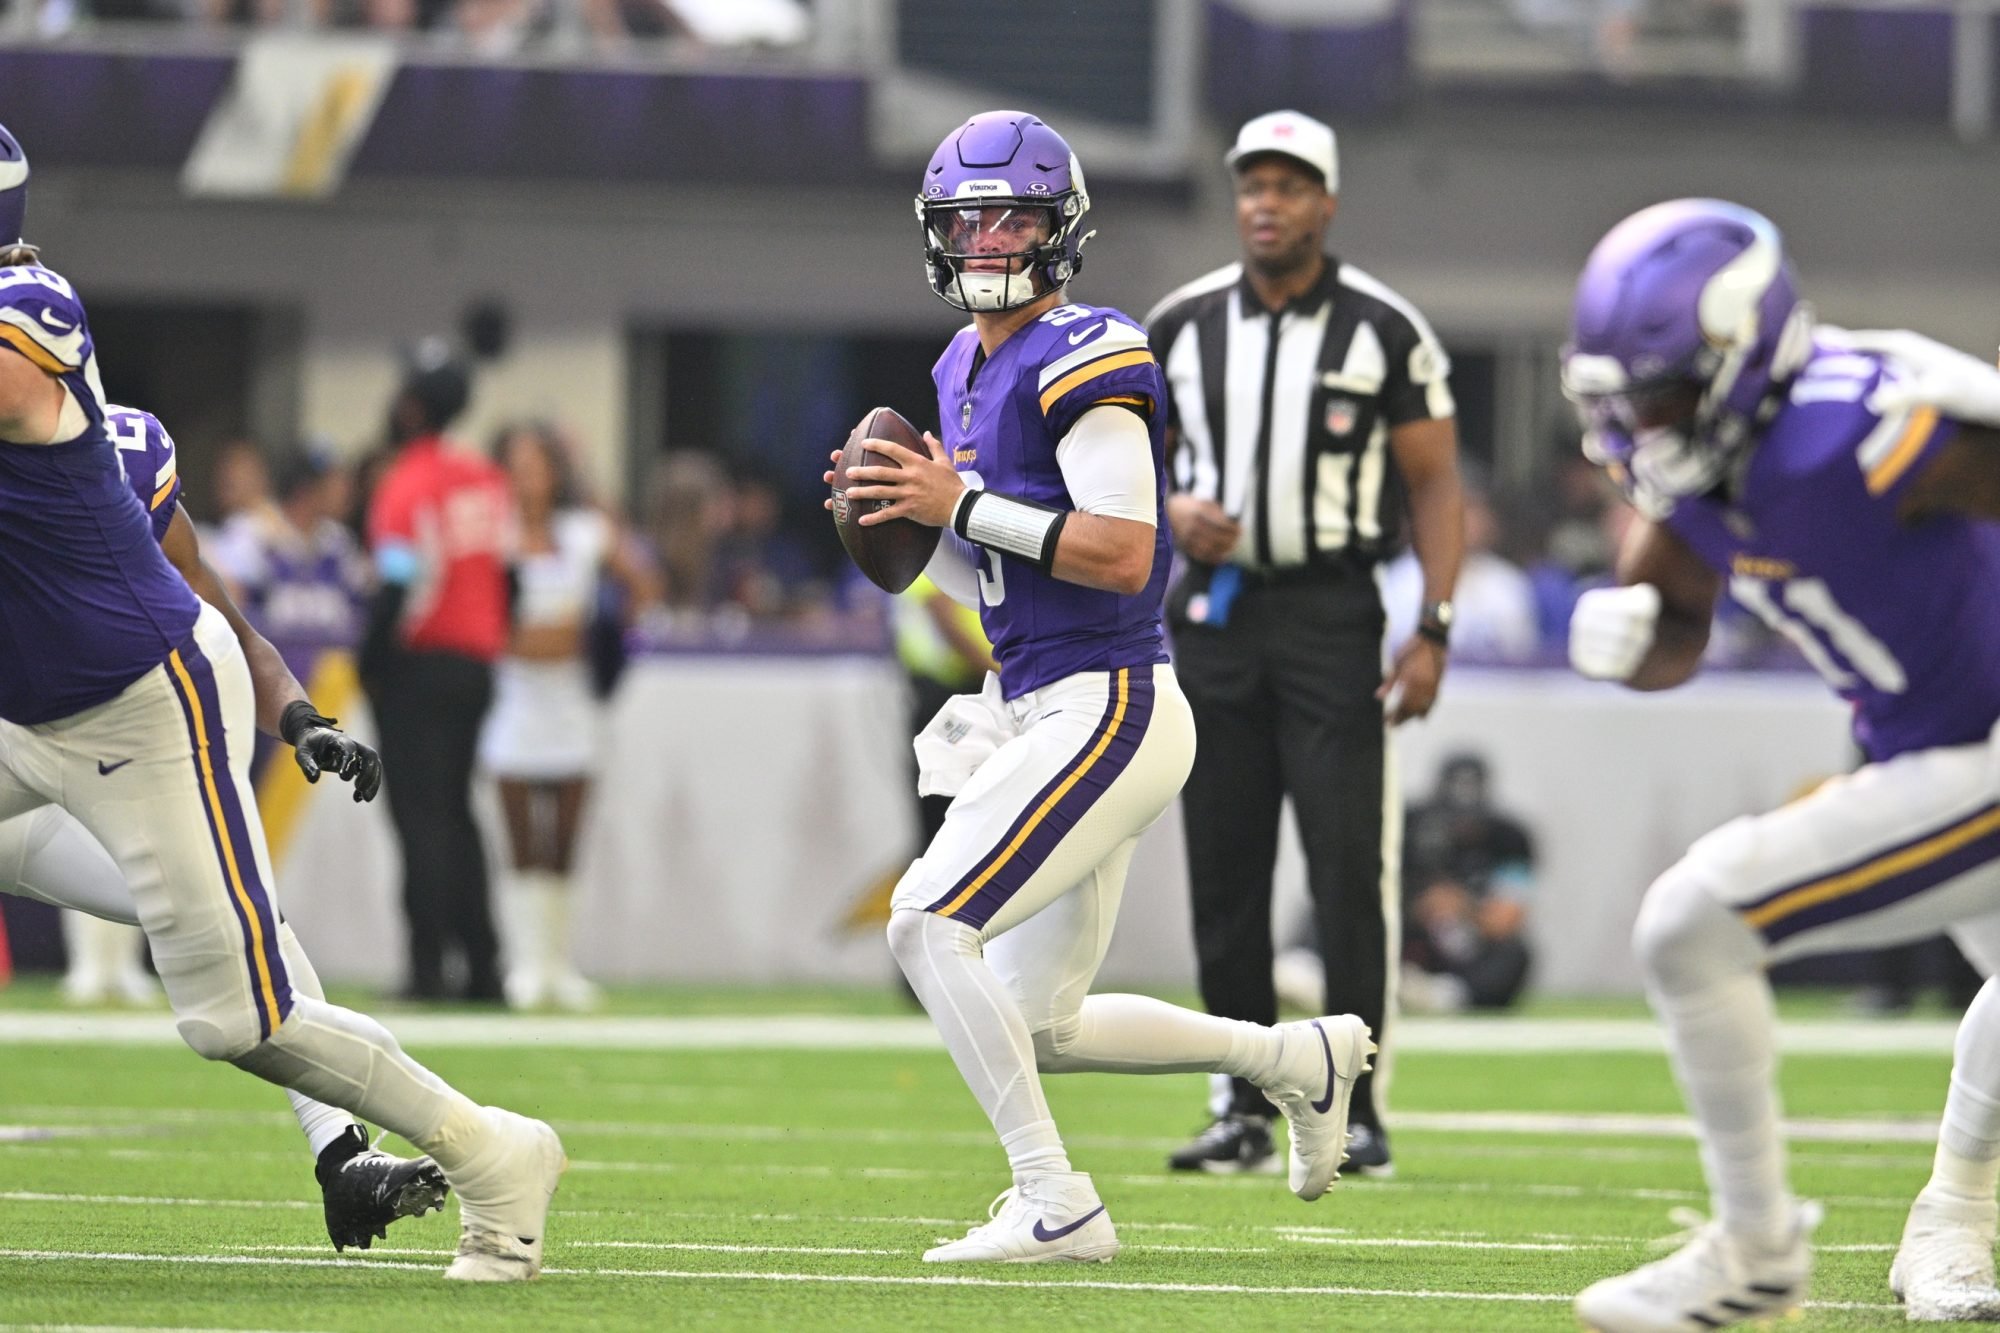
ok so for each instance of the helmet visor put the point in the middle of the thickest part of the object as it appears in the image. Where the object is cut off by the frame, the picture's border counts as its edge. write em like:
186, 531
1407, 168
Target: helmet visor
998, 237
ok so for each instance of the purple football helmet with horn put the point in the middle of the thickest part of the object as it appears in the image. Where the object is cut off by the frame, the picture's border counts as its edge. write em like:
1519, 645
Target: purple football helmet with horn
1002, 207
1687, 327
13, 189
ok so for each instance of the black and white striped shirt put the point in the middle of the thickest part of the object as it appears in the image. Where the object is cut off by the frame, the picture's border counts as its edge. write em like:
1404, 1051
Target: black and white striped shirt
1283, 417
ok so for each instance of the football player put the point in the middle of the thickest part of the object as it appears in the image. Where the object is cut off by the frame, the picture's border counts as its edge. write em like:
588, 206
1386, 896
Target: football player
1049, 477
1834, 484
45, 854
129, 702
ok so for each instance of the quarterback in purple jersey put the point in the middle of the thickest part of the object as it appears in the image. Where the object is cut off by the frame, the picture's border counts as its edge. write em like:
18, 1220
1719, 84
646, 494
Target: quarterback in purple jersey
1050, 476
47, 855
1839, 485
128, 701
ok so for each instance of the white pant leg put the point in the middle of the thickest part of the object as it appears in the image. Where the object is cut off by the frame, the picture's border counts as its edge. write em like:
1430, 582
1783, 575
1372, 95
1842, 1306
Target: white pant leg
46, 855
1099, 759
160, 777
1895, 852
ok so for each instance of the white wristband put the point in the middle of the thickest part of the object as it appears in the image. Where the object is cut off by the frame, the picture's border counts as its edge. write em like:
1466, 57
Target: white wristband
1003, 523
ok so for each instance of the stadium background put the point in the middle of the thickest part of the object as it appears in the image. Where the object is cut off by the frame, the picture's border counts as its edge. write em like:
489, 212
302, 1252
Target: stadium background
702, 240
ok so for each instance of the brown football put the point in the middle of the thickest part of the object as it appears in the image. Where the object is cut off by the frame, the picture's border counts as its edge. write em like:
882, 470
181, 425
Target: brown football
891, 554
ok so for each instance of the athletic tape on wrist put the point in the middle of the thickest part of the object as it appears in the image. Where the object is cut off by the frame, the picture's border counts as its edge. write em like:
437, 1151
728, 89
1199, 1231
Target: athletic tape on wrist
1003, 523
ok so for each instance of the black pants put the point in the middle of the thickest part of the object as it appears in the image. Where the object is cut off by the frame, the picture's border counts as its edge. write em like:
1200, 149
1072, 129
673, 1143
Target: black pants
1284, 704
428, 708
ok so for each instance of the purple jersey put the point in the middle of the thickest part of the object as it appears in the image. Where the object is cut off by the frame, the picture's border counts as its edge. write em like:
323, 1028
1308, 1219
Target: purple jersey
1002, 419
1902, 620
88, 603
152, 468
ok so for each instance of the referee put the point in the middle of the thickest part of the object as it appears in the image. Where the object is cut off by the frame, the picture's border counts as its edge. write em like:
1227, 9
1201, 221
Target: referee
1310, 405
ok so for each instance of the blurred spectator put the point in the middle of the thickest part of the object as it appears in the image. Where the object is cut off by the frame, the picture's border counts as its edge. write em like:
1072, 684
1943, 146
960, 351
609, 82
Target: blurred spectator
303, 578
765, 567
1494, 619
689, 510
1468, 873
244, 511
540, 740
437, 526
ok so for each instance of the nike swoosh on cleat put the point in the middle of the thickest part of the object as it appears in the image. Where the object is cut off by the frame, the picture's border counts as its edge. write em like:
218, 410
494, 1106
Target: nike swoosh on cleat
1043, 1233
1325, 1104
106, 770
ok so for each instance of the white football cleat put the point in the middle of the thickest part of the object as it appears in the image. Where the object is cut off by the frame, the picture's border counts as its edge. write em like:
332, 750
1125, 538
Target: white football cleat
1944, 1267
1712, 1281
1316, 1071
1052, 1217
503, 1199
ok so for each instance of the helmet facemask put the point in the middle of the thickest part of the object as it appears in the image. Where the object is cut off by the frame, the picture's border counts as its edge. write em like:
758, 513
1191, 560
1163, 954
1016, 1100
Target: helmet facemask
992, 254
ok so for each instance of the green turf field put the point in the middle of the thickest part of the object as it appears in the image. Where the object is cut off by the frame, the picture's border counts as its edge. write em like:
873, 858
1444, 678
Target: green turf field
787, 1187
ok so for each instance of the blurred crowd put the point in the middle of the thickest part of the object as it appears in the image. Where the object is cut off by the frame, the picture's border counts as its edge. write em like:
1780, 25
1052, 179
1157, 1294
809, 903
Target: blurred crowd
738, 548
486, 29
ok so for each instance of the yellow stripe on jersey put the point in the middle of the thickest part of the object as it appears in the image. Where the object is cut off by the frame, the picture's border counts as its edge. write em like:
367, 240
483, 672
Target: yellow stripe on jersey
1041, 811
267, 993
1873, 873
166, 489
21, 341
1090, 371
1897, 461
1127, 400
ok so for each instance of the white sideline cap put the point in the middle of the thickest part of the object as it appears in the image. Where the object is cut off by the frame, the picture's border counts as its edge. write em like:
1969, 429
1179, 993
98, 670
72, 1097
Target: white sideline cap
1295, 135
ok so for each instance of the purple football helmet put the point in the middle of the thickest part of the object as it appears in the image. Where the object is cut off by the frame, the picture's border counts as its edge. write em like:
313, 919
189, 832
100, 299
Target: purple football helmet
1002, 208
1687, 327
13, 189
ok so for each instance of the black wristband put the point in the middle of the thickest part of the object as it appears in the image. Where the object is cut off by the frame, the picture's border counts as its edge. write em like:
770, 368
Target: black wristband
298, 718
1435, 633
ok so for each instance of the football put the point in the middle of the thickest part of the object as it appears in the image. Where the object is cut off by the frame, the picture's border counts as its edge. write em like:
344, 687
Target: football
891, 554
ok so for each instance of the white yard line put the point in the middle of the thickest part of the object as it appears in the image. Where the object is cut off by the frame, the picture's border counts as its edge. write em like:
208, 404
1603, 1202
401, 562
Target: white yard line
129, 1328
152, 1200
1565, 1125
1461, 1036
871, 1279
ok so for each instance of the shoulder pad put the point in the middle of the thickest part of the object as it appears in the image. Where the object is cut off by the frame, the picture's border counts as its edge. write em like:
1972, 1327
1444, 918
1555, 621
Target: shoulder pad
42, 319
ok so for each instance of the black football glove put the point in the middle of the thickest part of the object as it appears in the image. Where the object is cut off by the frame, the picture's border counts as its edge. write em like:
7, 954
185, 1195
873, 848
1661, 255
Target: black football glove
320, 746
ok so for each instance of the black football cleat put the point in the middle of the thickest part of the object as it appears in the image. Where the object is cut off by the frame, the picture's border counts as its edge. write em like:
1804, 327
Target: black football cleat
1231, 1144
1368, 1152
366, 1190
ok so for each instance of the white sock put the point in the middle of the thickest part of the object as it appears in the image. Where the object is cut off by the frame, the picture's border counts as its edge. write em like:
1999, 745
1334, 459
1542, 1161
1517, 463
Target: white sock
1968, 1153
349, 1060
983, 1030
1135, 1034
100, 950
1723, 1042
553, 894
322, 1123
1035, 1150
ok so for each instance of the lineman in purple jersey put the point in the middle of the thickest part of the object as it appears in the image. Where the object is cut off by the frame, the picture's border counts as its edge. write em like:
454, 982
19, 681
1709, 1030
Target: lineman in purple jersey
1837, 484
46, 854
129, 702
1050, 476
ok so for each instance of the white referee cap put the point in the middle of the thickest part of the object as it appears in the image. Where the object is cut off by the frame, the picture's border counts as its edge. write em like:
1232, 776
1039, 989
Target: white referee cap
1295, 135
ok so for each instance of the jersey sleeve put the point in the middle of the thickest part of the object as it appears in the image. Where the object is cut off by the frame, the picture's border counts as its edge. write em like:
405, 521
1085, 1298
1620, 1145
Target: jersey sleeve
1898, 446
392, 532
1102, 358
42, 319
151, 463
1416, 384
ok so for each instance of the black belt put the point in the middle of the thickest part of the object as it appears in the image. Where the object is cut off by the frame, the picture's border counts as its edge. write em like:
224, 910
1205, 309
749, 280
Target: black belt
1286, 576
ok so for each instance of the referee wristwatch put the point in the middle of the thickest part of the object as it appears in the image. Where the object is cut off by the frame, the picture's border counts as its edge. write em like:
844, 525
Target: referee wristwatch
1434, 623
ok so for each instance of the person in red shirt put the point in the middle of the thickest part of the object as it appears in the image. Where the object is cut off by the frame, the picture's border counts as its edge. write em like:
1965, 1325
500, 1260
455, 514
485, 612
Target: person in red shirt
438, 528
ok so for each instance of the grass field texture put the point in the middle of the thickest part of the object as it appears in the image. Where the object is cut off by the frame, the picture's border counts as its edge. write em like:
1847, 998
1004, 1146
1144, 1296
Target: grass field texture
763, 1188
